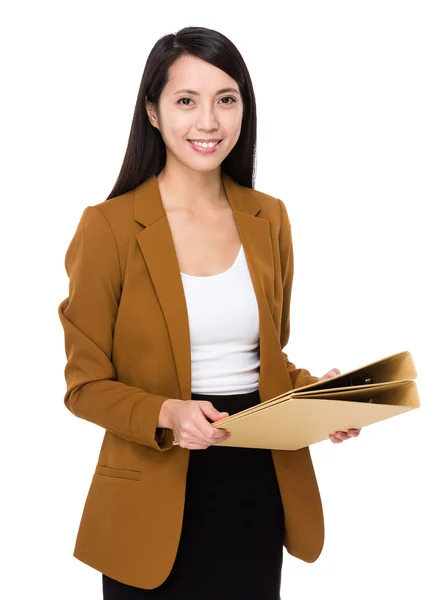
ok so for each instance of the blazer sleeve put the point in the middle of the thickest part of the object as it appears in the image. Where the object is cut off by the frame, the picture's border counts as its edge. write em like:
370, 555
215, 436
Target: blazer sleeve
88, 317
299, 377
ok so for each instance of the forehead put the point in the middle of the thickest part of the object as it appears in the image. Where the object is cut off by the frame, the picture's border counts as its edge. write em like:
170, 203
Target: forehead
194, 73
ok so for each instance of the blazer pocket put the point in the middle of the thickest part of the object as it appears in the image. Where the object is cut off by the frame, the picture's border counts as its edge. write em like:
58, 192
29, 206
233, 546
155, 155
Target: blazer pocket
119, 473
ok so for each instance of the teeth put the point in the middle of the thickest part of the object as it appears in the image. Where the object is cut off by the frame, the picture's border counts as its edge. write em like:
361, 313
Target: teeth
204, 144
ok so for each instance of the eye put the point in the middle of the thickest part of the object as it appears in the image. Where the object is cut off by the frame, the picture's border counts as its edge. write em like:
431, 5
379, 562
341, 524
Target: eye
224, 98
180, 100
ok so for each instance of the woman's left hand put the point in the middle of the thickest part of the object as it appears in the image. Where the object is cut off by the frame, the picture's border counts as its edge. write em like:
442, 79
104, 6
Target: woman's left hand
339, 436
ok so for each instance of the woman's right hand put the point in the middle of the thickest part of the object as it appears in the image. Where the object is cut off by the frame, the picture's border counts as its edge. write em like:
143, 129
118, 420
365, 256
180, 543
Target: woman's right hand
187, 419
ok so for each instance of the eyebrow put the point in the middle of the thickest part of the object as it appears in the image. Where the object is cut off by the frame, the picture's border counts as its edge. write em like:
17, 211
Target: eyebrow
222, 91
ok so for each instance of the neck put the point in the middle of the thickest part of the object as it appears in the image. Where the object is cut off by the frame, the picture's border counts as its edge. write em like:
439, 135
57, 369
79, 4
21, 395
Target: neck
186, 189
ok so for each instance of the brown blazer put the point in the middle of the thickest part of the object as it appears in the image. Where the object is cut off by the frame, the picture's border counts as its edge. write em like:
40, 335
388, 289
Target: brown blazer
127, 345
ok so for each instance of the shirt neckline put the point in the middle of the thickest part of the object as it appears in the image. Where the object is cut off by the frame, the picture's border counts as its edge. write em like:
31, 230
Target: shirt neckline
217, 274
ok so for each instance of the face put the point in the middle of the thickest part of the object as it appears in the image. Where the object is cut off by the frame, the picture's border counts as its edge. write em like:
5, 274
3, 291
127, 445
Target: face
204, 112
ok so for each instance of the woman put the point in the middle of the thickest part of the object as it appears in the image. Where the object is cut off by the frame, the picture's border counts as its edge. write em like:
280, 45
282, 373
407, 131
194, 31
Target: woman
175, 280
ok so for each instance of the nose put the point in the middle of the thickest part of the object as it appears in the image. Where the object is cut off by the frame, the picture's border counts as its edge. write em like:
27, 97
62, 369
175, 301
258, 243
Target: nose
206, 119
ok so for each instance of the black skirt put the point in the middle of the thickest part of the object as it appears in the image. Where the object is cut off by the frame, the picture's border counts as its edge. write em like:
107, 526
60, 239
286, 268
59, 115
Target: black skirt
231, 544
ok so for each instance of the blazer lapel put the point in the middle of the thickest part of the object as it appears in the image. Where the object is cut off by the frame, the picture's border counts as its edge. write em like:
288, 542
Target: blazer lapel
158, 250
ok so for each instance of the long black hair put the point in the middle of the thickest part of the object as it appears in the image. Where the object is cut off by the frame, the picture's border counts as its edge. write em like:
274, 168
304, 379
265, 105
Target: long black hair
146, 153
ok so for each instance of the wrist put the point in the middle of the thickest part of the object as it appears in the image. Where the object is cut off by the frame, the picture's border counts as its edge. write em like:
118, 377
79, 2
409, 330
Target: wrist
165, 413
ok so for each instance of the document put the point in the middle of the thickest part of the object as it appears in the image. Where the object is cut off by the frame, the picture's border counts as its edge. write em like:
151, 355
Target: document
309, 414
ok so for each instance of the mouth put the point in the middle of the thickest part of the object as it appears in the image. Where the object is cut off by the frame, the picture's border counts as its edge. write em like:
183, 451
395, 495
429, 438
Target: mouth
211, 147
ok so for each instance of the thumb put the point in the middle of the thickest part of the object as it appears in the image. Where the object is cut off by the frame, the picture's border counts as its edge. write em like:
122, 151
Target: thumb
212, 412
331, 373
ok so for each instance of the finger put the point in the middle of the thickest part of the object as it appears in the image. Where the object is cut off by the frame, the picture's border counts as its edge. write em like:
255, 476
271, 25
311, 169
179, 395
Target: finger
226, 437
331, 373
202, 430
334, 439
354, 432
341, 435
195, 441
213, 435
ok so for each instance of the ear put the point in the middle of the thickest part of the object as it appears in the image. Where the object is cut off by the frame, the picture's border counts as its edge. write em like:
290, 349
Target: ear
151, 112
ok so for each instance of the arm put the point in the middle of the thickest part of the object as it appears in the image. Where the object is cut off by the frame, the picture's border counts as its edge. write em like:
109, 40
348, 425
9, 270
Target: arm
88, 317
299, 377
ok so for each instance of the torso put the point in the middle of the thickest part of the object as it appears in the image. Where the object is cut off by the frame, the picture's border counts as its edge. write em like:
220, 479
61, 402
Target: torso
206, 244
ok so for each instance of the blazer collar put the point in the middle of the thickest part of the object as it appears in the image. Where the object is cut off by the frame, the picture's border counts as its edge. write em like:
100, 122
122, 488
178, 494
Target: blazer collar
158, 250
148, 206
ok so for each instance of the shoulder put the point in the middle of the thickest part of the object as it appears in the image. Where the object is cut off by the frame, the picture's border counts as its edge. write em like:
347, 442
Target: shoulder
114, 218
109, 226
264, 199
118, 211
272, 208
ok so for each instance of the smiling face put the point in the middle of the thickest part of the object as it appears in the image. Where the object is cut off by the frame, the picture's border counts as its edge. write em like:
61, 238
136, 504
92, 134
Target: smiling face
211, 108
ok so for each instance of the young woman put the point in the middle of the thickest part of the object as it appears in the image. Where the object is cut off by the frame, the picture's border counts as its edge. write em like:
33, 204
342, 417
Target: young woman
177, 316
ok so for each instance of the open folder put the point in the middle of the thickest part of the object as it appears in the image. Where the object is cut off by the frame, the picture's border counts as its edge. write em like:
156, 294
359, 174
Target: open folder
309, 414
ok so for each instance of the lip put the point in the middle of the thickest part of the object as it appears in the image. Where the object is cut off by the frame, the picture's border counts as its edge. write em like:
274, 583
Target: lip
209, 140
205, 150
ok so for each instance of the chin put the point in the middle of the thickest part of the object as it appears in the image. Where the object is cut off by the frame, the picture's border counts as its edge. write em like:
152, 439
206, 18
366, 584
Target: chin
209, 168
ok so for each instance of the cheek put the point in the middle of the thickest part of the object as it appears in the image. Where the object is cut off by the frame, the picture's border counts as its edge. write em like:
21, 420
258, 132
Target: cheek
173, 135
236, 130
179, 128
234, 124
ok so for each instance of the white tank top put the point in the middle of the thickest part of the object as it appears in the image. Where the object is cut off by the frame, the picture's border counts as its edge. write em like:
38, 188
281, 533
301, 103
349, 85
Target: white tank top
224, 330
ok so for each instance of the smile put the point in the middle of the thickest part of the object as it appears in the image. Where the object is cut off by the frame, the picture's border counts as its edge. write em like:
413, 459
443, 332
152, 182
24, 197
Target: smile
204, 147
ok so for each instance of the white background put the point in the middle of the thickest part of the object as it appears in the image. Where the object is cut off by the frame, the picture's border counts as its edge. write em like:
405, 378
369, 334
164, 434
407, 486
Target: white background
350, 136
